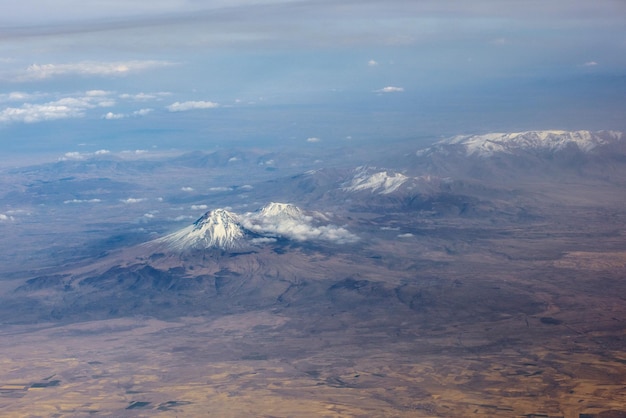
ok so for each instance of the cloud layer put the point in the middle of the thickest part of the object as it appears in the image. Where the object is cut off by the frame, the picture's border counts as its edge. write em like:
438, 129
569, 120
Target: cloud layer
297, 227
36, 72
38, 107
64, 108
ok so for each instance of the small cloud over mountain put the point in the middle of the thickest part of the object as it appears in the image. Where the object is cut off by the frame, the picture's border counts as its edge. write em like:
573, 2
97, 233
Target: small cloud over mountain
288, 221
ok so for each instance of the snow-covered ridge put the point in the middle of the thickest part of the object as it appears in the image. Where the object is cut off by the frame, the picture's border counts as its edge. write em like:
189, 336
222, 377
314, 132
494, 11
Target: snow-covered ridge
385, 182
489, 144
226, 230
381, 182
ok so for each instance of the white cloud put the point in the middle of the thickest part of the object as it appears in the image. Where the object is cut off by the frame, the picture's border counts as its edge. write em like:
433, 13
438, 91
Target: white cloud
18, 96
408, 235
132, 200
183, 218
82, 201
187, 189
263, 240
304, 232
142, 112
97, 93
191, 105
135, 152
199, 207
63, 108
114, 116
144, 97
6, 218
136, 113
372, 63
31, 113
89, 68
590, 64
220, 189
300, 228
313, 139
73, 155
390, 89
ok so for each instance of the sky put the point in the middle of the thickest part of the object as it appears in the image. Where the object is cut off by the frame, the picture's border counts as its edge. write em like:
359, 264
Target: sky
123, 74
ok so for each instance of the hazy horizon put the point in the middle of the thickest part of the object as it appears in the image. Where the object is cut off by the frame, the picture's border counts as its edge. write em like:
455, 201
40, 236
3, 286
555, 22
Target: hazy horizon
194, 76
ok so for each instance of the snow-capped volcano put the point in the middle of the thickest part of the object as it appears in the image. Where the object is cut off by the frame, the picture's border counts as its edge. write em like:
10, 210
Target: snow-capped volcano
283, 210
226, 230
508, 143
218, 228
284, 220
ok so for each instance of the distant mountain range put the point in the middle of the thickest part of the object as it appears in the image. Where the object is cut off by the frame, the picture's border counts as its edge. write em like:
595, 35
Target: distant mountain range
467, 175
491, 144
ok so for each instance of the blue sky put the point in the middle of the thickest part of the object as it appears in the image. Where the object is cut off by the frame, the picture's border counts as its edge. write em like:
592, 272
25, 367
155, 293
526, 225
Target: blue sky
192, 74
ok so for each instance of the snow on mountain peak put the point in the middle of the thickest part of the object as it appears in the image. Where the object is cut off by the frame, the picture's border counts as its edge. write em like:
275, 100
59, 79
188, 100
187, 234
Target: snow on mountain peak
381, 182
218, 228
287, 210
486, 145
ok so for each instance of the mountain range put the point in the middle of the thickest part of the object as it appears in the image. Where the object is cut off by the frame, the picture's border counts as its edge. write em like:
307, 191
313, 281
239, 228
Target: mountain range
488, 145
375, 211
